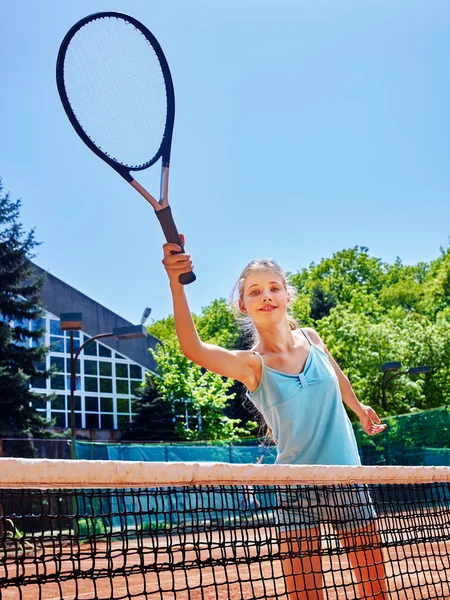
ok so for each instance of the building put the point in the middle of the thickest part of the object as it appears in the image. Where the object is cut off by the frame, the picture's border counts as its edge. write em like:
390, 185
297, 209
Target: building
107, 372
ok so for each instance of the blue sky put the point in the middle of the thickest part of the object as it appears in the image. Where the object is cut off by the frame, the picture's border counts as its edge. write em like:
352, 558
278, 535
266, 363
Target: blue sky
302, 127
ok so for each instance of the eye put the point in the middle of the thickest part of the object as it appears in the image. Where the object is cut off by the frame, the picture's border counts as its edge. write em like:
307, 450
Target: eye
254, 292
275, 289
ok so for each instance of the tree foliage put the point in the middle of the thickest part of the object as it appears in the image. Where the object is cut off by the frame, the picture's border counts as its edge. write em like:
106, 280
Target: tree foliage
367, 311
384, 312
199, 397
207, 406
20, 363
154, 418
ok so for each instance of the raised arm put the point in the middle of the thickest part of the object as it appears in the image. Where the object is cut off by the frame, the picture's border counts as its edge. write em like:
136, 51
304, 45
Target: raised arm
237, 364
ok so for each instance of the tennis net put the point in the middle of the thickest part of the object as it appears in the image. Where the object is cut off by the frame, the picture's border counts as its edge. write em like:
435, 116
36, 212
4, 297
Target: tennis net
104, 530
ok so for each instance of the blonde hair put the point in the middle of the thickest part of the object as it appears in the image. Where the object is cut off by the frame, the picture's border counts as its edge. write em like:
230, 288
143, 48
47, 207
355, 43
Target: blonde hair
249, 330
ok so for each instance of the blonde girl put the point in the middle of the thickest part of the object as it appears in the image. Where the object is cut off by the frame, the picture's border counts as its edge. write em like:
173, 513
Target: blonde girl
300, 390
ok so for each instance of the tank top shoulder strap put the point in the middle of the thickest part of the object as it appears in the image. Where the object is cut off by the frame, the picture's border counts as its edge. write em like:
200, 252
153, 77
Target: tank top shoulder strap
260, 358
307, 337
248, 392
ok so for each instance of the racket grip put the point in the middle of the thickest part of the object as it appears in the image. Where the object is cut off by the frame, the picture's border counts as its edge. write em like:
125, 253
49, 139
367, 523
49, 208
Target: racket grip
171, 234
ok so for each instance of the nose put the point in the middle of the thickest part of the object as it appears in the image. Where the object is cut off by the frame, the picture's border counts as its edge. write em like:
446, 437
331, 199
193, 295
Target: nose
266, 297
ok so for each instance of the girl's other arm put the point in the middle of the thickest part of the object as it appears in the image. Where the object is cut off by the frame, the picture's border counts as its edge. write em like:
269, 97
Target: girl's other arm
369, 419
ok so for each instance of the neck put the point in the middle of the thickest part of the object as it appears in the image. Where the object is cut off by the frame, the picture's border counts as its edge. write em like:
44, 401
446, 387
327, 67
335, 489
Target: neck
276, 338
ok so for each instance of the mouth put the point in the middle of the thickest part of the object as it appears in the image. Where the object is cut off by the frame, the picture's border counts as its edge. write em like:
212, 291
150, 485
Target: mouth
267, 308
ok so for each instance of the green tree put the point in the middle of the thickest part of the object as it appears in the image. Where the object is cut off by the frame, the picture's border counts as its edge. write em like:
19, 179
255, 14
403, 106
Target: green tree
154, 415
20, 364
362, 340
368, 312
343, 273
216, 324
205, 395
164, 329
321, 302
403, 286
437, 285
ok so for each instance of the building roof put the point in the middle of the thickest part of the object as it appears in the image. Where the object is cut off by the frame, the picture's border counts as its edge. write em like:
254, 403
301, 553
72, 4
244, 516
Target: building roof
58, 296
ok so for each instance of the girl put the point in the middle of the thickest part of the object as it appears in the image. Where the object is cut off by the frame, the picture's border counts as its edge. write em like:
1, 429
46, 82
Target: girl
299, 389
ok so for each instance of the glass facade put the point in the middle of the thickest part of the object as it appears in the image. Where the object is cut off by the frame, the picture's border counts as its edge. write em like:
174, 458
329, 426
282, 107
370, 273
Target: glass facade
104, 386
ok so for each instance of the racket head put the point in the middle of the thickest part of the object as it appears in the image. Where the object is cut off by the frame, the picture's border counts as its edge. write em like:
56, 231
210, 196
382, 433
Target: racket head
117, 91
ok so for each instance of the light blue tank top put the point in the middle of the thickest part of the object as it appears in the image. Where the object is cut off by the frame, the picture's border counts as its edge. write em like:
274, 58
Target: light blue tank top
306, 414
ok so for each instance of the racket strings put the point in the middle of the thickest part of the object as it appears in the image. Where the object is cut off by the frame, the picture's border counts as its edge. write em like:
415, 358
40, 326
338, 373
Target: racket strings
116, 89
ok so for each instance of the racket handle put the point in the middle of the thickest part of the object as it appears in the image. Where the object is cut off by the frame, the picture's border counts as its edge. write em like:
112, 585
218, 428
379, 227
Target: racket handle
170, 231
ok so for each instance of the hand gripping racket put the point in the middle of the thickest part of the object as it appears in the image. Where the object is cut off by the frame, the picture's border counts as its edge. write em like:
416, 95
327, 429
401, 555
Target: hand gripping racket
115, 86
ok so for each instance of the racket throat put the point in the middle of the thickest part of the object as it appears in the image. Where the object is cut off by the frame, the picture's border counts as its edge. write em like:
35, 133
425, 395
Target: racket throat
164, 189
150, 199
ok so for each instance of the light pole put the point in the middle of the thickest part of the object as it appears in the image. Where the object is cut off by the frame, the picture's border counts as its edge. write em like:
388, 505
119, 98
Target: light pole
74, 322
394, 368
145, 315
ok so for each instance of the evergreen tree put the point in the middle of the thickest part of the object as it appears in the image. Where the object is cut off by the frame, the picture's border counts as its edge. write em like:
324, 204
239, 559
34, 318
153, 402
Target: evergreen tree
154, 416
321, 302
20, 364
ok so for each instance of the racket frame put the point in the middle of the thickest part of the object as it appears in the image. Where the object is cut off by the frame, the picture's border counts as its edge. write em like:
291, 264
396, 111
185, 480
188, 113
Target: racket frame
162, 208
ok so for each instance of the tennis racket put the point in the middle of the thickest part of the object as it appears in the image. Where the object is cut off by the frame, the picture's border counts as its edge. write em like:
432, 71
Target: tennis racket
115, 86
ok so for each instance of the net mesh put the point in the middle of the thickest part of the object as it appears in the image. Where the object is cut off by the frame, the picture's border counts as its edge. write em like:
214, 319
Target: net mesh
124, 530
116, 88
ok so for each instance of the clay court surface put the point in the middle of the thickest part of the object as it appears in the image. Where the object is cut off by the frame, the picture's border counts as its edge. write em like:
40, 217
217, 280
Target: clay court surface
415, 570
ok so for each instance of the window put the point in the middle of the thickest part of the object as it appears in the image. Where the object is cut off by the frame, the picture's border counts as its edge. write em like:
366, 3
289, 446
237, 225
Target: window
121, 370
135, 372
60, 419
92, 421
105, 368
90, 367
107, 421
104, 351
135, 385
106, 405
105, 385
122, 386
35, 326
56, 344
105, 380
58, 403
91, 384
77, 382
55, 328
57, 364
76, 345
91, 403
91, 349
77, 367
57, 382
123, 405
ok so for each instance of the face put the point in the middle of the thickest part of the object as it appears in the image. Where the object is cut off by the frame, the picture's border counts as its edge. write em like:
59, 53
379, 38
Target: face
264, 296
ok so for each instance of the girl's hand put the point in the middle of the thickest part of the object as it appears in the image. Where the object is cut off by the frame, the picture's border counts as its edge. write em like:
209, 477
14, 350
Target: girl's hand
370, 421
176, 264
